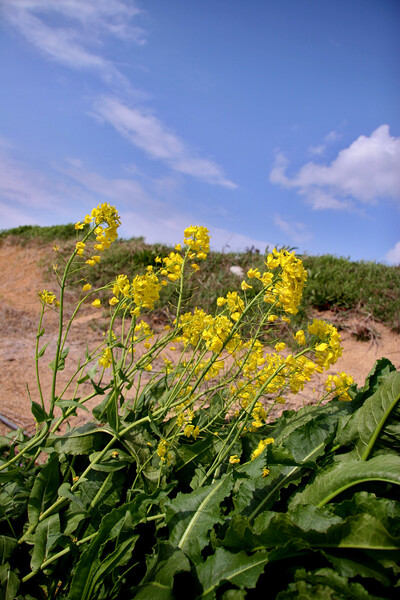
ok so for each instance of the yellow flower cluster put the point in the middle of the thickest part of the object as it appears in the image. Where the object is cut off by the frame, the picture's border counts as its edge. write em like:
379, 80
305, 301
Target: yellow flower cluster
105, 359
144, 289
235, 304
198, 240
289, 287
328, 350
162, 451
214, 331
172, 267
48, 298
107, 221
339, 384
261, 447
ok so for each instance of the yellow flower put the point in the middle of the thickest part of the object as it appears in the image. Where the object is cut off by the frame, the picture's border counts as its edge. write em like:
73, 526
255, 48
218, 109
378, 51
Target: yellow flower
253, 273
86, 287
339, 384
112, 301
96, 303
234, 459
56, 248
300, 337
246, 286
79, 225
105, 360
80, 247
280, 346
261, 447
48, 298
265, 472
198, 240
272, 318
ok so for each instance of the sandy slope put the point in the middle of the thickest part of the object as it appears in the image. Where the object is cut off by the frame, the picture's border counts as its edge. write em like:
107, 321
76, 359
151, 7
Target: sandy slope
20, 280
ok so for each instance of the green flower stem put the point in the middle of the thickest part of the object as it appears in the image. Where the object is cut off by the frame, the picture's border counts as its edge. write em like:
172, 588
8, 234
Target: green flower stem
224, 452
38, 336
181, 282
60, 501
55, 557
60, 326
41, 434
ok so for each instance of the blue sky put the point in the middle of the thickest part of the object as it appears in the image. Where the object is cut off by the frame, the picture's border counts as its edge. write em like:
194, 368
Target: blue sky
270, 122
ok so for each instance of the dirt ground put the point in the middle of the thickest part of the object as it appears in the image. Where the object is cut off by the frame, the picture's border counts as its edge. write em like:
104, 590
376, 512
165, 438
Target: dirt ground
22, 277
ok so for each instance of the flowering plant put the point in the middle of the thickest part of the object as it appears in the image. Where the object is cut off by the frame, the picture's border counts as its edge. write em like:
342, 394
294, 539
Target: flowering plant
182, 478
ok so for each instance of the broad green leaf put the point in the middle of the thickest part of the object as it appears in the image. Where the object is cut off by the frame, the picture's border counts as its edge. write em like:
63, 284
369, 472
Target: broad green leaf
7, 547
63, 404
238, 569
365, 425
38, 412
324, 584
82, 440
158, 582
9, 582
191, 516
44, 539
100, 411
44, 490
111, 461
125, 517
345, 474
381, 368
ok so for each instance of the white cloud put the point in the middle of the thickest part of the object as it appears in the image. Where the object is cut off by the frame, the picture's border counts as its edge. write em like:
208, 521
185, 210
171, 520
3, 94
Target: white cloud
296, 231
24, 187
393, 256
331, 137
121, 190
367, 171
148, 133
76, 42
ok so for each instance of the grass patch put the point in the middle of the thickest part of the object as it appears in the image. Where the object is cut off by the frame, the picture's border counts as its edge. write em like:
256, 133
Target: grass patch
334, 283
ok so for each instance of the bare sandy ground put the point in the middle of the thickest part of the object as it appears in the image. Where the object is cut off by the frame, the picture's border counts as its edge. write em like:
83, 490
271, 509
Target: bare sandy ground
22, 277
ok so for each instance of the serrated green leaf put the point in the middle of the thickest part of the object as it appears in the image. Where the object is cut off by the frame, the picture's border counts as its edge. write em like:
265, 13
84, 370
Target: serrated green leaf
239, 569
366, 424
191, 516
345, 474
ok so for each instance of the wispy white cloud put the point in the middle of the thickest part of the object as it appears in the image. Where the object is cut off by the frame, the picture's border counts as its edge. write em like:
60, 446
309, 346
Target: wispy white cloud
23, 187
145, 131
78, 41
366, 172
296, 231
393, 256
331, 137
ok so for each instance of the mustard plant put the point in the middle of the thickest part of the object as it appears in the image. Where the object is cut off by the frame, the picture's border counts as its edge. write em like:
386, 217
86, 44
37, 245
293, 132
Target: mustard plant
182, 477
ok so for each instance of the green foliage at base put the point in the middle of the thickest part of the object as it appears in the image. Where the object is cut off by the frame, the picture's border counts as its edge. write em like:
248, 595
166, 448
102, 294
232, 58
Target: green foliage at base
104, 518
